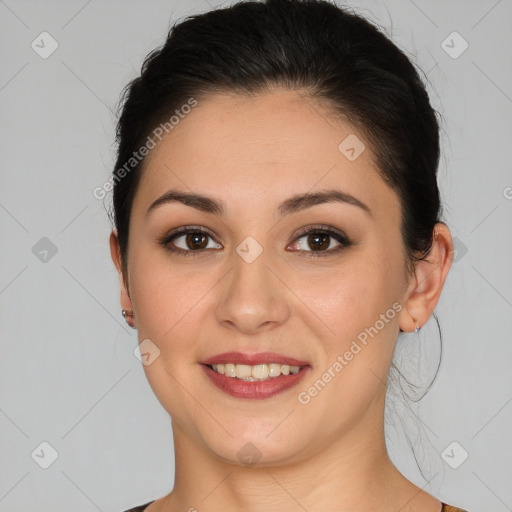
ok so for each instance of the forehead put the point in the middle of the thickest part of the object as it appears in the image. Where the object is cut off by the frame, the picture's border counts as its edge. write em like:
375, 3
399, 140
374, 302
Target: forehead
261, 148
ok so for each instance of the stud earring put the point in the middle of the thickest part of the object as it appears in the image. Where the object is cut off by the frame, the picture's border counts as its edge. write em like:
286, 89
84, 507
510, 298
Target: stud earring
127, 315
415, 320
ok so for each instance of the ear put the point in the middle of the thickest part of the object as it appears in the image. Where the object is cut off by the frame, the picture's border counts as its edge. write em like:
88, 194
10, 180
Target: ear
428, 280
115, 252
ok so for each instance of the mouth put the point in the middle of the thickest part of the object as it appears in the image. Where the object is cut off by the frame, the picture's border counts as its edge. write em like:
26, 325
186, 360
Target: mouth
252, 373
254, 376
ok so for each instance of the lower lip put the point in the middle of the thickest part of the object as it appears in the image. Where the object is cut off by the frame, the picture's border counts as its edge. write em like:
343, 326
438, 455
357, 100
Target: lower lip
254, 389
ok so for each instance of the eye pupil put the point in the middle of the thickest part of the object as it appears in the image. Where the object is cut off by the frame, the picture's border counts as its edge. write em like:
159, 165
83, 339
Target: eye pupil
318, 241
193, 241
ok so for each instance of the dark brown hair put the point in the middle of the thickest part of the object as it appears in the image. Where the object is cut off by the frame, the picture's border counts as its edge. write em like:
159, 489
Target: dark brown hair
326, 51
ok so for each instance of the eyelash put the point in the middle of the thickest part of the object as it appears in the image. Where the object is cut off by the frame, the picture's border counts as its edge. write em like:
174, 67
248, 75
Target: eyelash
345, 242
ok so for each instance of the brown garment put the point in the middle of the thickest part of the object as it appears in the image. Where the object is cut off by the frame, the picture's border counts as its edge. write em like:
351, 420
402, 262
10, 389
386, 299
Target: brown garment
140, 508
449, 508
445, 508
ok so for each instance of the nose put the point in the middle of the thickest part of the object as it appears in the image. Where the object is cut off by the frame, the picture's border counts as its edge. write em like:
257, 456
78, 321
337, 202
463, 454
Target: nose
252, 297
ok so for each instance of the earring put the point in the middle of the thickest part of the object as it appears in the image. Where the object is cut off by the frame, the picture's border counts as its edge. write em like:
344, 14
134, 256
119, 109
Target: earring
415, 320
126, 315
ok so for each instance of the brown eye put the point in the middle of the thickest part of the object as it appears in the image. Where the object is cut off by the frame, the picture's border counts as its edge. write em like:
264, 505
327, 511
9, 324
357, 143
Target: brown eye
188, 241
318, 241
196, 240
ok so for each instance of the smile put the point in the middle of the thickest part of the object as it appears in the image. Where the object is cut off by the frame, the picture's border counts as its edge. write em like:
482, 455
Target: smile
259, 372
249, 381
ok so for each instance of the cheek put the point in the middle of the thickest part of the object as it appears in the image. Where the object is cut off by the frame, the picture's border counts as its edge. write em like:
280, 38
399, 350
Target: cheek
357, 306
348, 297
168, 296
169, 301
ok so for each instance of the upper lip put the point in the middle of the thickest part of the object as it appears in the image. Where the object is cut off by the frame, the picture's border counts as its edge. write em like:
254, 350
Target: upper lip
254, 359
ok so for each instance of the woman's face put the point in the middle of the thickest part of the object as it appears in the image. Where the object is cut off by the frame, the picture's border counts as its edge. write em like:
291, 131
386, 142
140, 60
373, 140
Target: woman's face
258, 282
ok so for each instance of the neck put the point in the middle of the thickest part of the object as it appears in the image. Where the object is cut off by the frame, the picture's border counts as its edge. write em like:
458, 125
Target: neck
351, 472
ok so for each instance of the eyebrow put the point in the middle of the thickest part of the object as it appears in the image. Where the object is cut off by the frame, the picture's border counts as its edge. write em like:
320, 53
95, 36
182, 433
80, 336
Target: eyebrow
293, 204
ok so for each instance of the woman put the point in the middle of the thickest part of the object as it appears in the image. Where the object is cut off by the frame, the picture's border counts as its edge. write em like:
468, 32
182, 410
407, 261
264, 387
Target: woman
277, 224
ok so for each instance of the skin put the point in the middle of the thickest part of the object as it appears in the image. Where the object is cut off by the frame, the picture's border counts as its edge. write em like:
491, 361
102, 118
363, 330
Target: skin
330, 454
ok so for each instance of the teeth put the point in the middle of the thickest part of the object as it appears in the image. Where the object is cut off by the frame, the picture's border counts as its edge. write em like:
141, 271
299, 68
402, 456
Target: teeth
230, 370
243, 371
274, 370
260, 371
256, 372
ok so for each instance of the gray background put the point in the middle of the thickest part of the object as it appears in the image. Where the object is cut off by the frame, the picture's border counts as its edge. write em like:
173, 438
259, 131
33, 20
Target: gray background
68, 373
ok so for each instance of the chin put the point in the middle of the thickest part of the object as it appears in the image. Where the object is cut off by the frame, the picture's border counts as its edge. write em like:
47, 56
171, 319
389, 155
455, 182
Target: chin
258, 448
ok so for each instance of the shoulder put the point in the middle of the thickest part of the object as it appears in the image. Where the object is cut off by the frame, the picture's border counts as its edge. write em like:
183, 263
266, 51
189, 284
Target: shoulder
450, 508
141, 508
